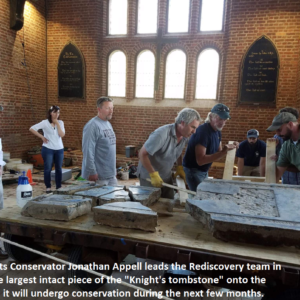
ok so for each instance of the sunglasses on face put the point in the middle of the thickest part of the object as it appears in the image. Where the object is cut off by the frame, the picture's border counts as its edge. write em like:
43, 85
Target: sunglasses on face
54, 107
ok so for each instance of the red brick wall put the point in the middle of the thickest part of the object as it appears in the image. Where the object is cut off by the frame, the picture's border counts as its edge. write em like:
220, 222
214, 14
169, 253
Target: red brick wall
85, 24
19, 111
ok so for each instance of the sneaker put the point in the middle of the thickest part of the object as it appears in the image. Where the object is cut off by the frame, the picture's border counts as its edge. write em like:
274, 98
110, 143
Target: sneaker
48, 190
3, 254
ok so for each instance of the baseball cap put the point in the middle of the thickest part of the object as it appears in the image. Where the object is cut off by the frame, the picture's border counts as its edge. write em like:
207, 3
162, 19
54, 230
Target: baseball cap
252, 133
221, 110
281, 119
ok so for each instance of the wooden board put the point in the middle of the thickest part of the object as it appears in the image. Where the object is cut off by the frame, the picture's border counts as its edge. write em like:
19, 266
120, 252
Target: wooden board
229, 163
182, 195
250, 178
179, 230
270, 164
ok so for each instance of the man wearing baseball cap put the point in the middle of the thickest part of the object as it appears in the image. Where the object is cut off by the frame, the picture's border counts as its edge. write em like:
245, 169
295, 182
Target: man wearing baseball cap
251, 155
205, 146
286, 126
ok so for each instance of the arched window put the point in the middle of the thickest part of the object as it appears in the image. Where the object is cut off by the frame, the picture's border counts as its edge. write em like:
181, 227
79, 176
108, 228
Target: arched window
118, 17
147, 16
117, 74
175, 74
207, 74
212, 12
178, 16
145, 66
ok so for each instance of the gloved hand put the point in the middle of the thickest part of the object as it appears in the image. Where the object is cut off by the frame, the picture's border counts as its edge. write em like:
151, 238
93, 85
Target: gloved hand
156, 181
180, 172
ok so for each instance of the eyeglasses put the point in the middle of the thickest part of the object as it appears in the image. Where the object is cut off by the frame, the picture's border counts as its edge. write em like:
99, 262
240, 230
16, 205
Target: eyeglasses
54, 107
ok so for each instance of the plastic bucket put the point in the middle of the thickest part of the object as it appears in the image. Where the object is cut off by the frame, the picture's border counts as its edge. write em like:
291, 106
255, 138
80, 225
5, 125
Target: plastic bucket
25, 167
124, 175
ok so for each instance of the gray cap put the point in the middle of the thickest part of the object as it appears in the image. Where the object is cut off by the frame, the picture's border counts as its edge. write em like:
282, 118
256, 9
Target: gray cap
281, 119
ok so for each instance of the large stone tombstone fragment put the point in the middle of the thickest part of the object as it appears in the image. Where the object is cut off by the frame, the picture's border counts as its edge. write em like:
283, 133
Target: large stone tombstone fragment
126, 215
260, 213
57, 207
97, 195
144, 195
72, 189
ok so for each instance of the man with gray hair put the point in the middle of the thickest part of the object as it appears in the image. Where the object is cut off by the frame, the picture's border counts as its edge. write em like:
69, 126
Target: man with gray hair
163, 148
99, 146
205, 146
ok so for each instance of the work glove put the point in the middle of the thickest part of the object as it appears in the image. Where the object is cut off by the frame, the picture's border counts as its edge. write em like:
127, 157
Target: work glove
156, 181
180, 172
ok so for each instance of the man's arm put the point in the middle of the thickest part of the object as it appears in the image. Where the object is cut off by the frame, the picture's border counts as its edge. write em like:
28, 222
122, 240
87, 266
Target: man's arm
240, 166
89, 140
144, 158
262, 167
279, 172
202, 158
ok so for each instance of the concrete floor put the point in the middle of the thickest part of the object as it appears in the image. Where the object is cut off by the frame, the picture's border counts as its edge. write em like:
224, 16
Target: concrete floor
38, 189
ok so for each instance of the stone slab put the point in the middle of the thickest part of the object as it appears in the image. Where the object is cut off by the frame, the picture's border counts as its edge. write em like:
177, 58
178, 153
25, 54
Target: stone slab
57, 207
261, 213
126, 215
70, 190
96, 193
221, 188
144, 195
117, 196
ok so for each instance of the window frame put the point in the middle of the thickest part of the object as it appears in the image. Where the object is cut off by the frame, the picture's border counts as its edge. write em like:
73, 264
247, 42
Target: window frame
107, 72
218, 77
137, 20
135, 74
108, 21
211, 31
165, 74
189, 20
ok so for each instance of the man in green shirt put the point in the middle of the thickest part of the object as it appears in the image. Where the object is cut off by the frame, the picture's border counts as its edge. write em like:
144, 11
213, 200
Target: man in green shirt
286, 126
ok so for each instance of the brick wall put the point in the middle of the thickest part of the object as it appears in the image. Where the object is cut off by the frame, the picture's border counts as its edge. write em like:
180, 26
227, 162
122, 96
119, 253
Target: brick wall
20, 110
85, 24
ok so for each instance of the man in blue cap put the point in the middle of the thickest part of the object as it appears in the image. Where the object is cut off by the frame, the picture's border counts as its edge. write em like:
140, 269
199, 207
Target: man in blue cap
252, 155
205, 146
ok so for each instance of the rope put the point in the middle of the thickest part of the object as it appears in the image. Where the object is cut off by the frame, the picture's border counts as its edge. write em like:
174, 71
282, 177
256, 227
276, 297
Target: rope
71, 264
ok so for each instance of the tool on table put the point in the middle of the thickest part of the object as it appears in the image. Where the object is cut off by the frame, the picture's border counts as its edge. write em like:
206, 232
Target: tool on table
176, 188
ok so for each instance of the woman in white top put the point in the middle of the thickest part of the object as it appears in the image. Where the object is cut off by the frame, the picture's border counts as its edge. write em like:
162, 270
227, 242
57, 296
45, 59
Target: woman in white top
53, 148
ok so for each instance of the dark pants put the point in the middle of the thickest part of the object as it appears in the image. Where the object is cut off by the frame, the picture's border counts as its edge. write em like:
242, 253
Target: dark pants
49, 156
165, 191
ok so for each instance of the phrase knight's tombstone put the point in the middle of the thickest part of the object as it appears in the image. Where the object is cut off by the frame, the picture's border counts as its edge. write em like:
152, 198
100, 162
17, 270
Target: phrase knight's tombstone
71, 73
259, 73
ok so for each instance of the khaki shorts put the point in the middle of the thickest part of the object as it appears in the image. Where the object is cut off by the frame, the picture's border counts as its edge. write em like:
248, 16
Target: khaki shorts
251, 171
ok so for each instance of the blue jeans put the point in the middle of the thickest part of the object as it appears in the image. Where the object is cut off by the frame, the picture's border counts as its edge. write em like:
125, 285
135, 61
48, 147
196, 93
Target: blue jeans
291, 178
194, 177
49, 156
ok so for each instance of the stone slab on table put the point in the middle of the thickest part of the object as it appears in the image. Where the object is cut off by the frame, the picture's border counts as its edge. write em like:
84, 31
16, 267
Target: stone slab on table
144, 195
72, 189
97, 194
261, 213
57, 207
126, 215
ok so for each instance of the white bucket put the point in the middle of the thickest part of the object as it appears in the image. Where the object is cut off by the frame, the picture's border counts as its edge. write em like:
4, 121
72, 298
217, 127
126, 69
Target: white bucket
124, 175
12, 165
16, 160
25, 167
